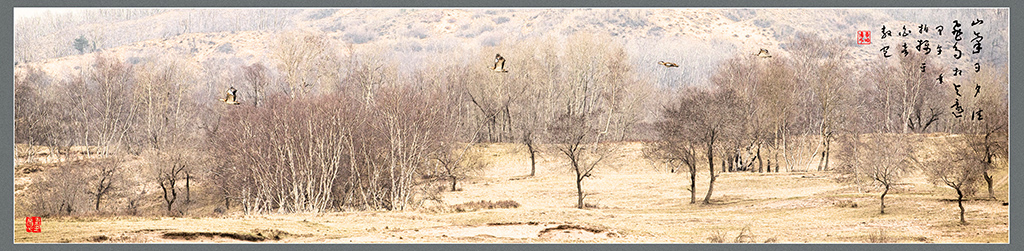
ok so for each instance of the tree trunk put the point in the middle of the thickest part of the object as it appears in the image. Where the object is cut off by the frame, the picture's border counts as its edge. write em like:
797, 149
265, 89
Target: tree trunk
778, 164
169, 198
693, 183
883, 198
960, 202
99, 196
579, 192
828, 146
188, 191
988, 165
732, 162
821, 160
785, 151
453, 182
533, 159
760, 162
988, 182
711, 169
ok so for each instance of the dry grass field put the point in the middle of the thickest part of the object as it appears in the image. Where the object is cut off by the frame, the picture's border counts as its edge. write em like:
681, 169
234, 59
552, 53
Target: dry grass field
635, 203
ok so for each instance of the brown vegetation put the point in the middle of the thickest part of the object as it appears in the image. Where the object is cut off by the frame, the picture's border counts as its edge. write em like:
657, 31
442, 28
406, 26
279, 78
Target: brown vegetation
335, 123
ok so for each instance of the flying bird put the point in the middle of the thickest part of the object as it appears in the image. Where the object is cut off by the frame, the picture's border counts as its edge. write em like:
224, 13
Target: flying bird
499, 64
668, 64
763, 53
230, 98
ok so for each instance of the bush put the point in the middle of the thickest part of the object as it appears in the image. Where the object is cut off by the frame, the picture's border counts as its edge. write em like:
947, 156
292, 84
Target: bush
81, 43
417, 31
500, 20
226, 48
321, 14
360, 36
484, 204
717, 237
490, 39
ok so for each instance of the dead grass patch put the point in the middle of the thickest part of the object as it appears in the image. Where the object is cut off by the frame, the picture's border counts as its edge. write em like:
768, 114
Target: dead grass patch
573, 226
195, 235
745, 235
484, 204
99, 238
717, 236
845, 203
879, 236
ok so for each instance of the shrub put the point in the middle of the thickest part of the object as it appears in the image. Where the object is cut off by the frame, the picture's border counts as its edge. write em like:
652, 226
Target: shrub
321, 14
360, 36
81, 43
500, 20
879, 236
717, 237
484, 204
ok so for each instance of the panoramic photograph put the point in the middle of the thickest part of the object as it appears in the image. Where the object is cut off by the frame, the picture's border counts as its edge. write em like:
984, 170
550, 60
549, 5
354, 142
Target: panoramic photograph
511, 125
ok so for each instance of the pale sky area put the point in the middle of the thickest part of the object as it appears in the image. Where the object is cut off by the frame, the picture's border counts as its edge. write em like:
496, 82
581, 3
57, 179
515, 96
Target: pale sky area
27, 12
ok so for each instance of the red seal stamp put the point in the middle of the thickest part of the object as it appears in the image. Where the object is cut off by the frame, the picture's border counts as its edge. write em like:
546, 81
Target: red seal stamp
863, 37
32, 224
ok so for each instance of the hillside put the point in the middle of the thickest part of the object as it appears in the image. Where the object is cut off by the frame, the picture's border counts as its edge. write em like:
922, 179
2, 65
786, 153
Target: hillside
221, 40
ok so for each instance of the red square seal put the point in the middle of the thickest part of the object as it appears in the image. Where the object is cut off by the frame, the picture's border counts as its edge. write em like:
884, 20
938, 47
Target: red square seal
32, 224
863, 37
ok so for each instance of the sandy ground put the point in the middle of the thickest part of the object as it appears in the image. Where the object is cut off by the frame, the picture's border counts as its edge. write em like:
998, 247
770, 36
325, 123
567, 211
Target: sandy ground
636, 202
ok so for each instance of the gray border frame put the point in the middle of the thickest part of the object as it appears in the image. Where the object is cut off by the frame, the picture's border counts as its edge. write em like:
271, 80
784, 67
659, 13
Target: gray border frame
7, 111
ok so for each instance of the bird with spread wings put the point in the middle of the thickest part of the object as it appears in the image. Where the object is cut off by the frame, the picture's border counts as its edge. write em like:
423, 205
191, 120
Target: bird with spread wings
499, 64
230, 98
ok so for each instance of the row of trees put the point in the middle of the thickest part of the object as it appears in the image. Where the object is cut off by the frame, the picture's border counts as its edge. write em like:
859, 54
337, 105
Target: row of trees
756, 103
327, 128
366, 136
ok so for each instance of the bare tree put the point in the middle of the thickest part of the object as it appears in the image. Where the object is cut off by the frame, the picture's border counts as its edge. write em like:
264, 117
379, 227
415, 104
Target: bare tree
166, 107
577, 140
167, 125
885, 159
34, 113
411, 124
104, 180
592, 104
493, 95
457, 163
309, 61
908, 98
677, 146
114, 114
778, 107
365, 71
59, 192
256, 76
168, 178
538, 72
988, 105
456, 135
766, 87
959, 167
824, 71
706, 118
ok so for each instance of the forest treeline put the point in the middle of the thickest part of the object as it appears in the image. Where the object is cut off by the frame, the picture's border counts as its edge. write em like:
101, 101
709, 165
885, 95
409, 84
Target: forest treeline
326, 126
